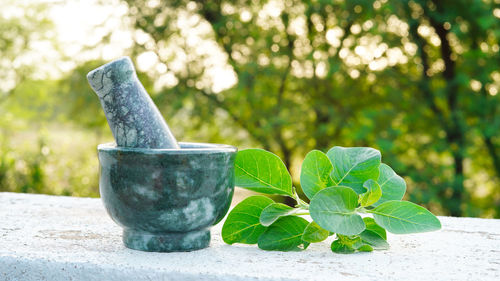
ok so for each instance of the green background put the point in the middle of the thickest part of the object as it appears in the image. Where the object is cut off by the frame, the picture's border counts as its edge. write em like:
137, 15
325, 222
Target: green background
418, 80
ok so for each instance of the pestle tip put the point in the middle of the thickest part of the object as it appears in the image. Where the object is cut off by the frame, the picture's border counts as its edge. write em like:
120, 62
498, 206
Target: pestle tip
114, 72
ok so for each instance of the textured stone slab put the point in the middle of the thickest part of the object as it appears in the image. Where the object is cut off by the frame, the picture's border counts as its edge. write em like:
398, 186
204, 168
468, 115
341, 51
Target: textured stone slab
65, 238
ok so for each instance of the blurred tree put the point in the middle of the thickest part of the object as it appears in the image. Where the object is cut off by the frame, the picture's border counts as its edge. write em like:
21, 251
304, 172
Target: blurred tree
459, 28
41, 151
417, 79
21, 24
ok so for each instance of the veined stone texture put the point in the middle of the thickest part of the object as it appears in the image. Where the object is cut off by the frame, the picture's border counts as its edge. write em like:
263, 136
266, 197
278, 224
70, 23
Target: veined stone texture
165, 199
132, 116
67, 238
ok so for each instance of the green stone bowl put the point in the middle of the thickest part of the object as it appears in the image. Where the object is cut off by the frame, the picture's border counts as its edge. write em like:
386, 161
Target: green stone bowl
166, 200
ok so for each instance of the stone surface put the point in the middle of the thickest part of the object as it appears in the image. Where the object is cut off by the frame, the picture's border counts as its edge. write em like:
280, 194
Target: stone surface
65, 238
132, 116
167, 199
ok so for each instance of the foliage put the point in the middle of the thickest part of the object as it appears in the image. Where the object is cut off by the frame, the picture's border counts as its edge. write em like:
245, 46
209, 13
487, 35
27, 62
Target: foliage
418, 79
41, 151
334, 208
16, 48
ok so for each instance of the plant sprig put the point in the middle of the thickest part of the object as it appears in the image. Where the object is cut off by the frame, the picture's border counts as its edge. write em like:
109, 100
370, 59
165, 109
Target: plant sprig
341, 185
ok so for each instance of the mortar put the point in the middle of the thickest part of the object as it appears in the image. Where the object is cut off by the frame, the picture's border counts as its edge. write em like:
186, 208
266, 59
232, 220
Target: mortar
165, 195
167, 199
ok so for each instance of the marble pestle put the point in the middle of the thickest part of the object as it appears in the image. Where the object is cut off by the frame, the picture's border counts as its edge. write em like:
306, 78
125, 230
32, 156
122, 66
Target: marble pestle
132, 115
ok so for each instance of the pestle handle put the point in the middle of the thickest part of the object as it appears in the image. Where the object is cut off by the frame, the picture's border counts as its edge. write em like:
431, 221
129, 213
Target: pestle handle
134, 119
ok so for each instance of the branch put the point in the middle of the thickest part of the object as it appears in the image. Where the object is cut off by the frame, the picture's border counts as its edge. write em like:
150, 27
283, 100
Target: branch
425, 78
492, 149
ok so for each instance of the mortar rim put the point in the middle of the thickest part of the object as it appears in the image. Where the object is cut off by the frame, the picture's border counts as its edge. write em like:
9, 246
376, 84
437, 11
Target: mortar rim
203, 148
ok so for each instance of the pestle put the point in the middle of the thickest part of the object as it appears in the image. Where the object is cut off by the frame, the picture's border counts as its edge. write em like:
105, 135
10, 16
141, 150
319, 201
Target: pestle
134, 119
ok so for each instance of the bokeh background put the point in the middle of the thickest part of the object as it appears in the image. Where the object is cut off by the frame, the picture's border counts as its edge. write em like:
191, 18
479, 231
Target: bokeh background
418, 80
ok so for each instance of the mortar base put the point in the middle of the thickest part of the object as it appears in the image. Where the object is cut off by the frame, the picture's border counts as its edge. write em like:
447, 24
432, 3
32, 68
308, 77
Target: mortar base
166, 242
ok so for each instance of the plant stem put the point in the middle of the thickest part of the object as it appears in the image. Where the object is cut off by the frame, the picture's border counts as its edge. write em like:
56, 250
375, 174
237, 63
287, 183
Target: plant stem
300, 203
362, 210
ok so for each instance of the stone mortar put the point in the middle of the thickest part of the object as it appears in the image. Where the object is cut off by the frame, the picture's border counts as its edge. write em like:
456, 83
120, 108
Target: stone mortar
167, 199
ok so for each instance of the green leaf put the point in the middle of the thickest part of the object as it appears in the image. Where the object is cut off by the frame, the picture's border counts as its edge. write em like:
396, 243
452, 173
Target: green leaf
242, 224
284, 235
333, 209
373, 226
393, 186
373, 239
402, 217
274, 211
315, 173
374, 235
372, 194
365, 248
314, 233
349, 244
341, 248
262, 171
353, 166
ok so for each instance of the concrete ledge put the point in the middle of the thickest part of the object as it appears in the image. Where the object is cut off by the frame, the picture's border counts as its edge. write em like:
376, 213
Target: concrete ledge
66, 238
